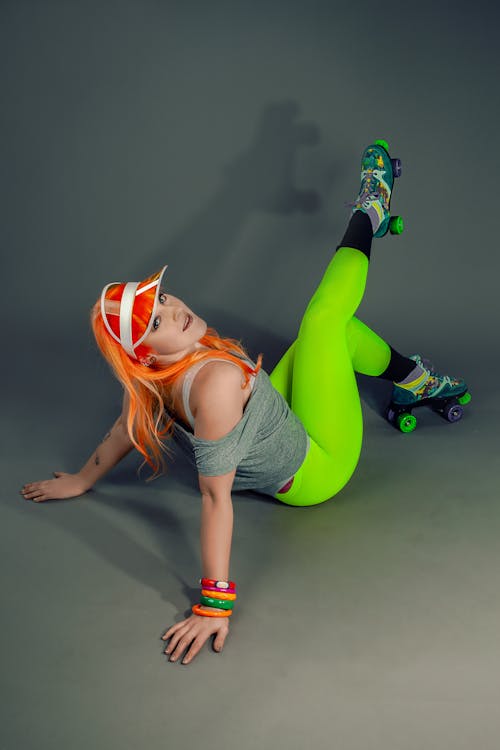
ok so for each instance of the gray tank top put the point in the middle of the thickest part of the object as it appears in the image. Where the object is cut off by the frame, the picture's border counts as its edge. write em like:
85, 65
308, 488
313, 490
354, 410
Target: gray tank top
267, 446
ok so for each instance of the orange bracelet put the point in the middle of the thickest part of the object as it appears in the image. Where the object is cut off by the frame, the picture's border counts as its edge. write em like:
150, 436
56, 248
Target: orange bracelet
196, 608
218, 595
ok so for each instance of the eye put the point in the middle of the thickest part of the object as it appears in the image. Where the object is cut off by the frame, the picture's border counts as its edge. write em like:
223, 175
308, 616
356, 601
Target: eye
157, 320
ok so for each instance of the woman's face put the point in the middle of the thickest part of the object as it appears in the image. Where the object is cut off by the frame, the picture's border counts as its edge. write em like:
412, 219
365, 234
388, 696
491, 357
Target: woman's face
167, 338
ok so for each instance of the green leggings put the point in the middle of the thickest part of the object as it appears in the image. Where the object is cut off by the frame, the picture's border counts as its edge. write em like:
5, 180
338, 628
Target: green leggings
316, 377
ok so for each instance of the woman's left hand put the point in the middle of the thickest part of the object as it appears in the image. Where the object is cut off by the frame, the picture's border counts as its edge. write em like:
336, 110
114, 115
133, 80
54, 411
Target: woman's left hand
194, 631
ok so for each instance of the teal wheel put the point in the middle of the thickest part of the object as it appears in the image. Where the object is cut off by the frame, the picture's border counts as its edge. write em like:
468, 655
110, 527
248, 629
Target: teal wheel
396, 225
464, 399
382, 143
407, 422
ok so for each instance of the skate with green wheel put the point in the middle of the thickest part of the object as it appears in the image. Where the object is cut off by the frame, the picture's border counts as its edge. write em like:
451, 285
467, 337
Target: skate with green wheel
445, 395
378, 172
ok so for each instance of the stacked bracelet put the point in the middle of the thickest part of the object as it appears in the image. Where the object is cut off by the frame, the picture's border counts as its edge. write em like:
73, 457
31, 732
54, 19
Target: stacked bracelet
209, 601
223, 585
196, 608
209, 591
220, 594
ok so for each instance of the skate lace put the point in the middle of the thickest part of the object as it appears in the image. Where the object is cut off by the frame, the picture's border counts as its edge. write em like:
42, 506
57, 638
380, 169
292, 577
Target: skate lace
427, 365
365, 193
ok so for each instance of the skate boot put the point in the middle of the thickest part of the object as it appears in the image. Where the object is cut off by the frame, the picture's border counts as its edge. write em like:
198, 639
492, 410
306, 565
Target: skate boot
444, 394
378, 172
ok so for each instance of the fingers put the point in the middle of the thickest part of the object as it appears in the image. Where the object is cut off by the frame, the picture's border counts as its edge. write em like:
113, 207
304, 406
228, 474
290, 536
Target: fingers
36, 491
219, 641
177, 632
190, 635
179, 643
173, 629
30, 491
195, 647
36, 498
182, 645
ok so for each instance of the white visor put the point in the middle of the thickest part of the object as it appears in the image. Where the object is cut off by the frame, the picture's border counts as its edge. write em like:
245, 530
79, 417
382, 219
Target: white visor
124, 308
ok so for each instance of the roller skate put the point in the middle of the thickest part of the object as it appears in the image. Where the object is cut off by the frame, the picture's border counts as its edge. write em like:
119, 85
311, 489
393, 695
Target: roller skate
378, 172
445, 395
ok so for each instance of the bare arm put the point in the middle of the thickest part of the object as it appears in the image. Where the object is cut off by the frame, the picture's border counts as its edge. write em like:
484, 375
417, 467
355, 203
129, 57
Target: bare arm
216, 530
115, 445
218, 410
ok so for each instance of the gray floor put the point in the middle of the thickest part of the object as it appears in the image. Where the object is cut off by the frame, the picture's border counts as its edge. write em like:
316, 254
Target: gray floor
223, 141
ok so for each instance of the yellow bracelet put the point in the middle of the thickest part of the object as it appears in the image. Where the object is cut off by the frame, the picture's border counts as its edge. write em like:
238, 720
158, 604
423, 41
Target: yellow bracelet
218, 595
196, 608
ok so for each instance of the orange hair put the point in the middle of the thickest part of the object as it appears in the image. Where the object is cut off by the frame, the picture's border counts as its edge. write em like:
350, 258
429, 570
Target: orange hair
148, 386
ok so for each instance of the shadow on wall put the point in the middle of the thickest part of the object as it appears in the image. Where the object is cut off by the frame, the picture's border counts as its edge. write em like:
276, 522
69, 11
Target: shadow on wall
259, 179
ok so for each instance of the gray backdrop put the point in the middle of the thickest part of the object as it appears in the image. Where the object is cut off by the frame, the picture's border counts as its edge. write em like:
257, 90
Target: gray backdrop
223, 139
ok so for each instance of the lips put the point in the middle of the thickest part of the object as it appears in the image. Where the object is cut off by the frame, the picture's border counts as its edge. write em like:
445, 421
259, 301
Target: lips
187, 322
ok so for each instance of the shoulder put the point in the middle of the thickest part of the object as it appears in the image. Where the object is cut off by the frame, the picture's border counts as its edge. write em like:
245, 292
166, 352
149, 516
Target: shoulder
214, 377
217, 399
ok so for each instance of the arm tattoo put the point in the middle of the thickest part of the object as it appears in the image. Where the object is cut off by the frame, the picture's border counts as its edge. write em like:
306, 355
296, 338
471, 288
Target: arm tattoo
97, 460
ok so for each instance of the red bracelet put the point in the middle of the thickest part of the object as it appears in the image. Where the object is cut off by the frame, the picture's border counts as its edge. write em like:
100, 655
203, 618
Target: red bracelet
225, 585
196, 608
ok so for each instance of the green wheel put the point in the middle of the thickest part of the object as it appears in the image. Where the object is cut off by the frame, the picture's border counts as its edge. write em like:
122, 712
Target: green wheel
407, 422
396, 225
382, 143
464, 399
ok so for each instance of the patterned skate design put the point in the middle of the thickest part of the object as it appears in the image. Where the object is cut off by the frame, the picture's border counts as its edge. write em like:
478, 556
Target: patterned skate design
378, 172
444, 394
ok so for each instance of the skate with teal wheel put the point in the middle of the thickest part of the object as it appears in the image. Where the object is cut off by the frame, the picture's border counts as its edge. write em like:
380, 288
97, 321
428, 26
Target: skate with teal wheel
378, 172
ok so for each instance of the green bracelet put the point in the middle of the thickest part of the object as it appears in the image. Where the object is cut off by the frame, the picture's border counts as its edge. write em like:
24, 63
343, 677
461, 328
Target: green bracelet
219, 603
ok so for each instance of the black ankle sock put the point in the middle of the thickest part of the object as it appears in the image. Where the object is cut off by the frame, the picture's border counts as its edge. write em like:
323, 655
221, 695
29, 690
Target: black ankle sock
359, 233
398, 368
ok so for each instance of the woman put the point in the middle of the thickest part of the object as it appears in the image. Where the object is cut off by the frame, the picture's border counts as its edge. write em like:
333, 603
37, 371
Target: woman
294, 434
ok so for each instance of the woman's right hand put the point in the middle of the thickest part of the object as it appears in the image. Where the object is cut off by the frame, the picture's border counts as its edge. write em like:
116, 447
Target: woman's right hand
63, 486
